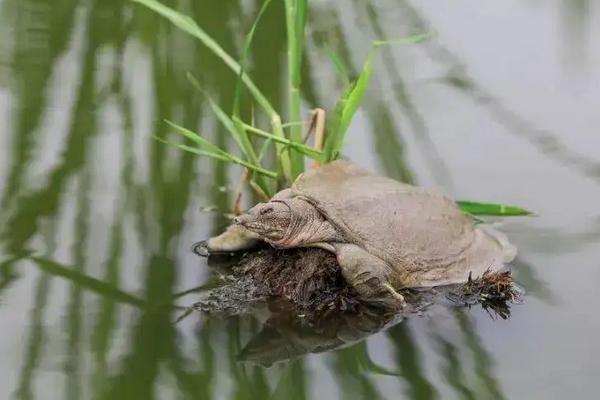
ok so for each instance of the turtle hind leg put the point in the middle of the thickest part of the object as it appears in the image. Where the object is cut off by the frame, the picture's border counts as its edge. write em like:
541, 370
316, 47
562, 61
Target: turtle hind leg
235, 238
368, 275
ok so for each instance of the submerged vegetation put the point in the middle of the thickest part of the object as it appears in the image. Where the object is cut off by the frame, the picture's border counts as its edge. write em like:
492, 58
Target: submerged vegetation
285, 142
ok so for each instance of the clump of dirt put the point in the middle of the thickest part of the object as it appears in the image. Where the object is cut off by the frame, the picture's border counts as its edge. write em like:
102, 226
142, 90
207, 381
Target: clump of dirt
310, 279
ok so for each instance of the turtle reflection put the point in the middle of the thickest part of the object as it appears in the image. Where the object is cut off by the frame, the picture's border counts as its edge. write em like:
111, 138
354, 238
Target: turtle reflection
311, 309
285, 336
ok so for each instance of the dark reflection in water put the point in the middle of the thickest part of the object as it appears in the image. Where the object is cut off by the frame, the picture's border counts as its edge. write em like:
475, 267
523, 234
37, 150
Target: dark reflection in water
284, 337
408, 359
97, 218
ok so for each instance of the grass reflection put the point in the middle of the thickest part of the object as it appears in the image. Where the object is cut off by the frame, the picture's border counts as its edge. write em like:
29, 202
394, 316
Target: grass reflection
482, 359
409, 363
41, 33
453, 370
136, 349
35, 340
72, 366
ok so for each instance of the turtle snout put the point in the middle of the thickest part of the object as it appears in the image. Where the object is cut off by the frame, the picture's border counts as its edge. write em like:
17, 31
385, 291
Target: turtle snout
241, 219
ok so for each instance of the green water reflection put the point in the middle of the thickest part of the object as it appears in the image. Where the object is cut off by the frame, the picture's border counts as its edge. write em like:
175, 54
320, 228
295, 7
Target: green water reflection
97, 218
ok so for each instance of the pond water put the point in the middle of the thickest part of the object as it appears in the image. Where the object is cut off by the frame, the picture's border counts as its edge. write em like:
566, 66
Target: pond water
97, 218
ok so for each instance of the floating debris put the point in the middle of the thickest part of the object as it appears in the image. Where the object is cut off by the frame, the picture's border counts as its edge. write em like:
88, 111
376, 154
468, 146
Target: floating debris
495, 291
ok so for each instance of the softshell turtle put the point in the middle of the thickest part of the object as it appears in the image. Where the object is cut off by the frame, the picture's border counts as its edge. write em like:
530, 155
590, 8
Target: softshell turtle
386, 235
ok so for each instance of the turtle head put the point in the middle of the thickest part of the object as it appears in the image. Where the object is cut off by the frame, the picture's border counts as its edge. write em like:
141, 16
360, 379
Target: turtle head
269, 220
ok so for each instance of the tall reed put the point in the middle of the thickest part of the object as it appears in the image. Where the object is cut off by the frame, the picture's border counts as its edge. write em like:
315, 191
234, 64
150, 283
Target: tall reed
288, 147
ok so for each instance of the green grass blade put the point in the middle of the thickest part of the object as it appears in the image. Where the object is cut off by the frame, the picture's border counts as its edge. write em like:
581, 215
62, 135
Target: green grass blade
224, 119
290, 124
476, 208
340, 67
352, 98
295, 13
263, 150
283, 155
237, 97
89, 283
211, 148
194, 137
194, 150
238, 133
238, 127
419, 37
189, 26
333, 129
301, 148
355, 97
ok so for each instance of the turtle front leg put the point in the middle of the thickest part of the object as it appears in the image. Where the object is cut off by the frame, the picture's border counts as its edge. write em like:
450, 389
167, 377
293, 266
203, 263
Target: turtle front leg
235, 238
369, 275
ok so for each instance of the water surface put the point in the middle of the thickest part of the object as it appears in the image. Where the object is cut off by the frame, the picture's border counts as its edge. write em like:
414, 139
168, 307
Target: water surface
97, 218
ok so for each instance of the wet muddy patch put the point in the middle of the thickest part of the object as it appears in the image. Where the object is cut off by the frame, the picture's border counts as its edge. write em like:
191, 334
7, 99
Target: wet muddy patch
309, 281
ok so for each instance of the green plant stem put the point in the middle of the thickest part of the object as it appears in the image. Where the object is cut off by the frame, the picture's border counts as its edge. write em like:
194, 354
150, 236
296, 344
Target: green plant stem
188, 25
353, 95
309, 151
238, 132
295, 12
247, 43
216, 152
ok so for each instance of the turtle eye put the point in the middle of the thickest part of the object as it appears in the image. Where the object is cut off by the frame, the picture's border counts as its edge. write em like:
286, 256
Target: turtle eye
266, 211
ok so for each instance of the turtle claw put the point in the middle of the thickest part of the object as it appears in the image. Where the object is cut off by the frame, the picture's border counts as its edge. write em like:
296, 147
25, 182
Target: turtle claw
399, 299
388, 298
201, 249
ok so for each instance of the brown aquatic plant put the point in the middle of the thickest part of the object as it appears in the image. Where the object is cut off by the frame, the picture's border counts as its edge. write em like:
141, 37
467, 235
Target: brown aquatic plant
494, 291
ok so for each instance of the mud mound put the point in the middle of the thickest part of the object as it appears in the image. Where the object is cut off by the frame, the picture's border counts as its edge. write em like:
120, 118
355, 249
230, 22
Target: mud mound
309, 278
311, 281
